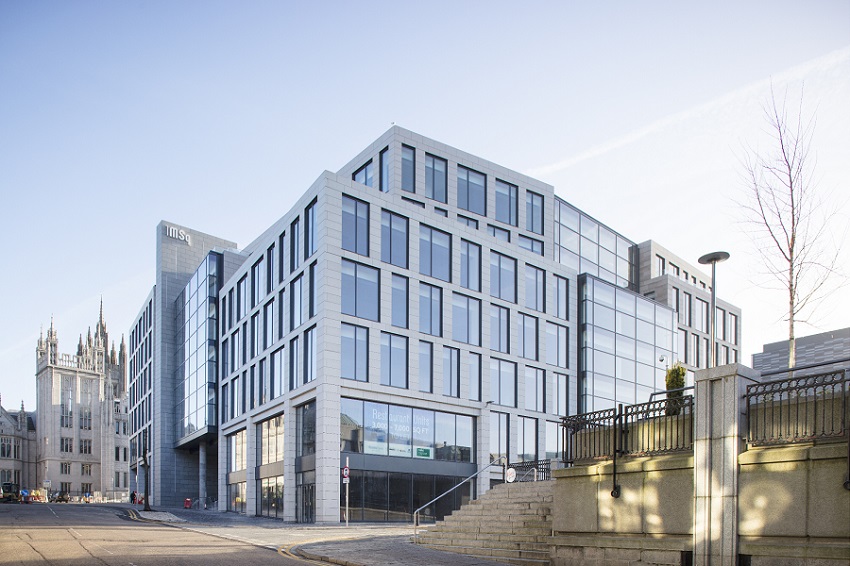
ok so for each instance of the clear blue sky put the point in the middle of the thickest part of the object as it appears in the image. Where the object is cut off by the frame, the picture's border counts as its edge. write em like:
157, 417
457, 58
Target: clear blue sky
115, 115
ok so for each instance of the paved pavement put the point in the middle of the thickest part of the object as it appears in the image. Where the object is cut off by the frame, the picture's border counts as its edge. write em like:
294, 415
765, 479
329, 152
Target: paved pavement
360, 544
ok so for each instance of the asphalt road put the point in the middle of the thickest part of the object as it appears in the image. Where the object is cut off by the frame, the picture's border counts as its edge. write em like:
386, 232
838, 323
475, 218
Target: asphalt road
92, 535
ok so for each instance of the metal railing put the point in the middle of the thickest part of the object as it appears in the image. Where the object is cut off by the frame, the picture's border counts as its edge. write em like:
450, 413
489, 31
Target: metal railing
656, 427
800, 409
538, 470
416, 513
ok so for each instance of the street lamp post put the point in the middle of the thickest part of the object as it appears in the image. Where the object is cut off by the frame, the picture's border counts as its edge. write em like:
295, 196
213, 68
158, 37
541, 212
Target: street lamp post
713, 258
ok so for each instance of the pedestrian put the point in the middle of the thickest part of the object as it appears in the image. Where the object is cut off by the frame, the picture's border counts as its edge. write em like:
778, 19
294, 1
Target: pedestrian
133, 497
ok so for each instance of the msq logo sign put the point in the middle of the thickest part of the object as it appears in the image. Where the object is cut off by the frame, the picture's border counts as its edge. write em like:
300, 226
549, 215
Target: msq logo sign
177, 234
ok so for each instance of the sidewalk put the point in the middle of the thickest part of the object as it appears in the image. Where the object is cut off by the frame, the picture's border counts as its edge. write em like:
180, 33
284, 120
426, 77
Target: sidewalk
360, 544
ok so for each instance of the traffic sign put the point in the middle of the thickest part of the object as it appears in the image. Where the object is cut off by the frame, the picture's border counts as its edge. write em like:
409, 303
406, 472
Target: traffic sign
345, 472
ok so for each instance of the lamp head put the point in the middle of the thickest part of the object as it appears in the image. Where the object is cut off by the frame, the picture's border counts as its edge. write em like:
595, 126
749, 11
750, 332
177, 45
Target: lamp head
714, 257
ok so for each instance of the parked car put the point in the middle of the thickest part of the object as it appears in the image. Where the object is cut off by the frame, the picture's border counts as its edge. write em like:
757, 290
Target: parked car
60, 497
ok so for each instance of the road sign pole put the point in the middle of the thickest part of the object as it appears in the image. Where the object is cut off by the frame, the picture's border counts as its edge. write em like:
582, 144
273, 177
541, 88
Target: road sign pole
347, 483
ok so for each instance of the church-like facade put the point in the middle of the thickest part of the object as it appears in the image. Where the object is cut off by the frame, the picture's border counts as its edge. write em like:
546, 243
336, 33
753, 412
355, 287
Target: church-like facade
82, 430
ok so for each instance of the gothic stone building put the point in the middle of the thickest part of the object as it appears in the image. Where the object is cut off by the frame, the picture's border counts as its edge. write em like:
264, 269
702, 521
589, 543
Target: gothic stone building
83, 445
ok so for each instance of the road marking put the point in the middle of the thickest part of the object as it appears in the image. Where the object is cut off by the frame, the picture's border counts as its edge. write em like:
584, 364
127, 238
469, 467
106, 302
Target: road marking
52, 511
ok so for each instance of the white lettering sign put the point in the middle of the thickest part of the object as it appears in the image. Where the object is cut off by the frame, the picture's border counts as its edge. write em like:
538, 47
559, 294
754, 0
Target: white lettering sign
177, 234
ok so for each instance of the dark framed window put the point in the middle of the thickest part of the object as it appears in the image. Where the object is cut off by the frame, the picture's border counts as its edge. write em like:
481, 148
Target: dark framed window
310, 243
451, 371
408, 169
503, 382
430, 309
394, 238
471, 190
436, 178
470, 265
506, 203
360, 290
384, 159
435, 253
394, 360
502, 277
499, 329
400, 301
354, 352
355, 225
534, 212
535, 288
466, 319
364, 175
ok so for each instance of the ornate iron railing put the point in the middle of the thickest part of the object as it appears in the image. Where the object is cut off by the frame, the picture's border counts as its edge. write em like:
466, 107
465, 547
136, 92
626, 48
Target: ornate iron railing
800, 409
656, 427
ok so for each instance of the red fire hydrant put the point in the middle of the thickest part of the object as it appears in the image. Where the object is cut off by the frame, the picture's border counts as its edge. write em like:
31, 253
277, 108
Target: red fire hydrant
187, 503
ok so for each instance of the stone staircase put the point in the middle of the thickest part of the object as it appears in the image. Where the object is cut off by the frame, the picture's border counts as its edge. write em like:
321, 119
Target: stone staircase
511, 523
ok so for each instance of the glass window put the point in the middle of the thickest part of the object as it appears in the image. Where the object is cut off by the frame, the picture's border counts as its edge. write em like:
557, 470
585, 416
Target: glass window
354, 352
470, 265
435, 253
535, 389
435, 178
451, 371
562, 297
557, 340
258, 289
466, 221
528, 336
430, 309
294, 245
466, 319
534, 212
527, 437
502, 277
364, 174
400, 301
535, 288
360, 295
503, 382
426, 367
506, 203
310, 355
394, 238
398, 433
355, 225
423, 434
473, 368
499, 233
384, 158
393, 360
530, 244
296, 305
408, 169
310, 230
471, 190
499, 329
351, 425
499, 435
305, 426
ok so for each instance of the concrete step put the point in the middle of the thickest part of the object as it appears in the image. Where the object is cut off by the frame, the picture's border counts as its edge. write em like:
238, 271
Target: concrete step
519, 557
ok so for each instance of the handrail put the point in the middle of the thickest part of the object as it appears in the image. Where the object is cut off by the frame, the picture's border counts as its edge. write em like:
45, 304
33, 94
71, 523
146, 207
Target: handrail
416, 513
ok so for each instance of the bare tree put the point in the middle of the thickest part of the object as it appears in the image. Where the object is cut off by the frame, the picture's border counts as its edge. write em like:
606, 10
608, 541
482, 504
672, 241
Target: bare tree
789, 220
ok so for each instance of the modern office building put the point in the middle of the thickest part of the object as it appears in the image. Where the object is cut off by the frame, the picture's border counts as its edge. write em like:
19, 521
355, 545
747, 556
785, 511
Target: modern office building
83, 438
173, 368
18, 447
671, 280
416, 315
827, 351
